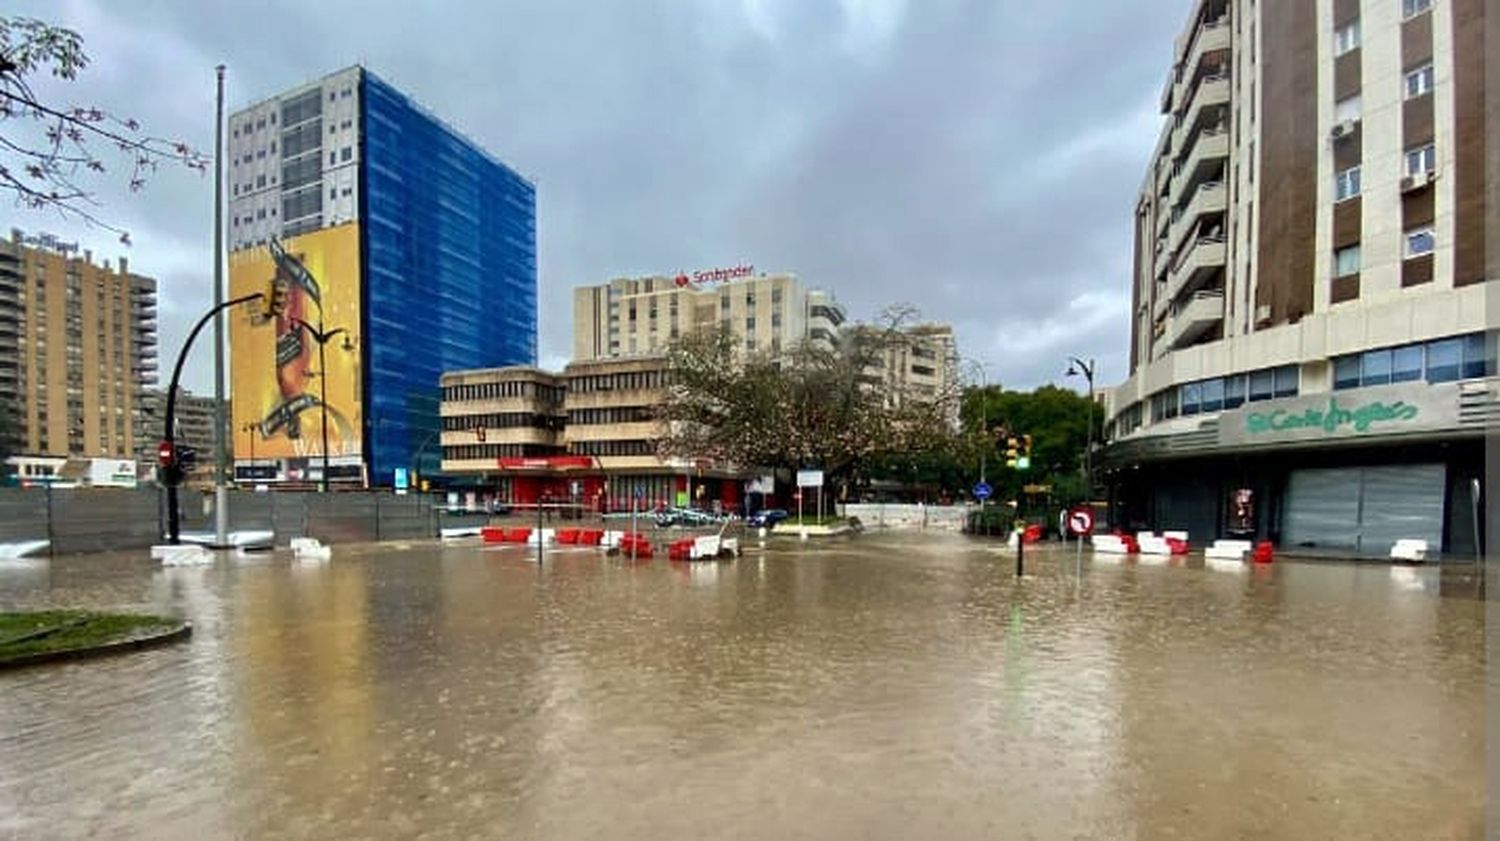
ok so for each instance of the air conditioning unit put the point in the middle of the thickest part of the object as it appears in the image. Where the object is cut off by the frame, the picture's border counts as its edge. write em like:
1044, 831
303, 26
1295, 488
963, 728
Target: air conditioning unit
1412, 183
1343, 129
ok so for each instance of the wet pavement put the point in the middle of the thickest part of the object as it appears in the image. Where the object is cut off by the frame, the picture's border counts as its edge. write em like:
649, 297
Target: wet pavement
879, 687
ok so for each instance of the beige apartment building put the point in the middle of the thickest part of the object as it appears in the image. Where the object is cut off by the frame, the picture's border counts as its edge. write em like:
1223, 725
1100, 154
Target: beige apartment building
194, 415
1310, 359
641, 316
919, 362
78, 343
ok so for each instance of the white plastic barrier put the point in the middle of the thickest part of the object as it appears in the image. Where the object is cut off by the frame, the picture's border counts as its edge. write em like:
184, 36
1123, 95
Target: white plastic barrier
21, 548
182, 555
544, 535
1228, 550
310, 549
1153, 545
456, 532
611, 539
1109, 544
1407, 549
705, 547
1179, 535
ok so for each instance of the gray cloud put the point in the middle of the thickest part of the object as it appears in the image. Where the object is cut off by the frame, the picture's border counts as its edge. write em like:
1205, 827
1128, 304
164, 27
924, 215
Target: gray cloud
978, 159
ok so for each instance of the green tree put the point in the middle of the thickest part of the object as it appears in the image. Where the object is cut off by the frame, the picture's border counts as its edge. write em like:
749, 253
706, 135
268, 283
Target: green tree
1057, 420
809, 407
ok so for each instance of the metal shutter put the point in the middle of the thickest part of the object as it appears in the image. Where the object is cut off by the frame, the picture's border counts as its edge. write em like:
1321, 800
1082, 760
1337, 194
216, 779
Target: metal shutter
1322, 509
1404, 501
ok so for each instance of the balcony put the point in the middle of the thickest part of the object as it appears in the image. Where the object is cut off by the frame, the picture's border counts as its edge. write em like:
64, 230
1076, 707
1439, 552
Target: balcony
1195, 317
1211, 37
1210, 197
1207, 256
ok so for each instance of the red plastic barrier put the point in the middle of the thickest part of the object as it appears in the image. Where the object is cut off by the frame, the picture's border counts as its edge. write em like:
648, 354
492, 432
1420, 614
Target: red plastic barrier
516, 535
1263, 553
492, 534
681, 550
1132, 545
1032, 534
568, 536
1177, 546
590, 537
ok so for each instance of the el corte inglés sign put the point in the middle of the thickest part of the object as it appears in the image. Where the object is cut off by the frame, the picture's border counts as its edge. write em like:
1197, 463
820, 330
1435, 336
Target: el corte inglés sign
1363, 412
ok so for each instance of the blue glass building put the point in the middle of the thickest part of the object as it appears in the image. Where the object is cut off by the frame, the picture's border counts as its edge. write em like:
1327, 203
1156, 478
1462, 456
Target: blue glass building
447, 273
449, 267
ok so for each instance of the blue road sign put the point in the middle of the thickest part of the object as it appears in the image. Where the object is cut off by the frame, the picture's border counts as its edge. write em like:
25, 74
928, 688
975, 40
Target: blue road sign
640, 491
982, 491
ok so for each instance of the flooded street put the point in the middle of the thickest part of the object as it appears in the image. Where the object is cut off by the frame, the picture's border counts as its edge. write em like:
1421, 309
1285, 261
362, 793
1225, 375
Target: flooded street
883, 687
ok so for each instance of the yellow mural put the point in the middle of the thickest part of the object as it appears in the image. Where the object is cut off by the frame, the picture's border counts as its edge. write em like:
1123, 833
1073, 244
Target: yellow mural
277, 377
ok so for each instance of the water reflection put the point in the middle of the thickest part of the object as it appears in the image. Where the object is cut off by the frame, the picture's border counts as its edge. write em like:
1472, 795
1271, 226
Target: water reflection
885, 687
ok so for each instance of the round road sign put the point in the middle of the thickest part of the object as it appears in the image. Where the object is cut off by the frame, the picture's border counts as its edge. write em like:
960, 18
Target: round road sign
1080, 520
982, 491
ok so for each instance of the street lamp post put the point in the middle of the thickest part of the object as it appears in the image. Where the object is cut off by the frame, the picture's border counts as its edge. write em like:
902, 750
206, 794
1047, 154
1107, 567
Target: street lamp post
322, 338
251, 428
1076, 367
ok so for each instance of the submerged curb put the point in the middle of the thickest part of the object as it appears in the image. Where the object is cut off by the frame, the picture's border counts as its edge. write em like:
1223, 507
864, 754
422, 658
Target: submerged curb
180, 631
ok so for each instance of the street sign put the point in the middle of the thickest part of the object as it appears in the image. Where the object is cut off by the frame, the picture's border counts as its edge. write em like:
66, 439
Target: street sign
809, 478
982, 491
1080, 520
1037, 489
640, 491
403, 480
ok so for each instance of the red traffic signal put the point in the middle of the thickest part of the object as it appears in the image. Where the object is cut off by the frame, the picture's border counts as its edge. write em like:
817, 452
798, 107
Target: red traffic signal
166, 453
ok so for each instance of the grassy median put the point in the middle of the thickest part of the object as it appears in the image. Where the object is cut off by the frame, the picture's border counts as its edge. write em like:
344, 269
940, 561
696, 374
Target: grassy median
23, 635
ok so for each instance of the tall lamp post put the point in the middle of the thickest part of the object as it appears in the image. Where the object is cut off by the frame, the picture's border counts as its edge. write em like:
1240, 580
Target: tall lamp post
322, 338
1077, 367
984, 418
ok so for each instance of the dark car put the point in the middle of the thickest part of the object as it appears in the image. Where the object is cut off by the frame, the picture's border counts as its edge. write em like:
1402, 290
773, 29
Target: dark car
766, 518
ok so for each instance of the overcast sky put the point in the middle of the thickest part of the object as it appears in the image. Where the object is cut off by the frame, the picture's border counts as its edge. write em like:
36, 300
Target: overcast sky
977, 159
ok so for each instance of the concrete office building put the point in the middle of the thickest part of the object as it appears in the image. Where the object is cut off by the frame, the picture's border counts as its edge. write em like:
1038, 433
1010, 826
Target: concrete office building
78, 343
1309, 360
407, 245
641, 316
588, 435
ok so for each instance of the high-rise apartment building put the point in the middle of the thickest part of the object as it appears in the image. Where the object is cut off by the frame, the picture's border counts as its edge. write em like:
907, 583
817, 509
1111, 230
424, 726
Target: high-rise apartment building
915, 363
1309, 360
77, 346
408, 251
641, 316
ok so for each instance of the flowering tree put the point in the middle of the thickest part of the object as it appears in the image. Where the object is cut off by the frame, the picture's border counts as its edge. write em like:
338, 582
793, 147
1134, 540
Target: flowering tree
48, 151
812, 406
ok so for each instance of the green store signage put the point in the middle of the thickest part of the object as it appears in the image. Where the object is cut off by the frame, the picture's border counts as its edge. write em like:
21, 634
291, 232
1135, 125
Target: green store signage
1333, 419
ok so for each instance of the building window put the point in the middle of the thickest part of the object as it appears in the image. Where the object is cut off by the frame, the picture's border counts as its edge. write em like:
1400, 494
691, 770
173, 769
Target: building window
1419, 81
1418, 241
1375, 367
1438, 361
1412, 8
346, 153
1346, 372
1406, 363
1347, 109
1346, 38
1346, 183
1346, 261
1444, 360
1421, 160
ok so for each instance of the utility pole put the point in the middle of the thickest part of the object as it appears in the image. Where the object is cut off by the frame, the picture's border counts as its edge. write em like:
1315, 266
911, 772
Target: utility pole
221, 460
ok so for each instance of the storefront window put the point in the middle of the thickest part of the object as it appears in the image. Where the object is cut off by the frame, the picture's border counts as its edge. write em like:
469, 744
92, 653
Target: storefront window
1346, 372
1375, 368
1406, 364
1262, 385
1234, 391
1192, 397
1286, 381
1443, 361
1477, 361
1213, 395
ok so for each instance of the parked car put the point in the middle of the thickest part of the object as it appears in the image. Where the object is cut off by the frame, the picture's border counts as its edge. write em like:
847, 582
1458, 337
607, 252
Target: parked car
766, 518
688, 517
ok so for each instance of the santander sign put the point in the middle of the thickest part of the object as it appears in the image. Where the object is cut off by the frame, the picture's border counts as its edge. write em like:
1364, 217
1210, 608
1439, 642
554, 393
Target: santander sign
715, 275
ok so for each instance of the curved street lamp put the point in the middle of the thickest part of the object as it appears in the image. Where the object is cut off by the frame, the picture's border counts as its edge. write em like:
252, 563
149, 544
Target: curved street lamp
1077, 367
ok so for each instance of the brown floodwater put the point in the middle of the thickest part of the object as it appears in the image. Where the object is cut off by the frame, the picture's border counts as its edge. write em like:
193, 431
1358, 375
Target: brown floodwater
881, 687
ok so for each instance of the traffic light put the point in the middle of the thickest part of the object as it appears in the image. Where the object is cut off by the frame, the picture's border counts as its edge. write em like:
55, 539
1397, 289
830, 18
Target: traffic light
1012, 451
1024, 461
275, 296
169, 468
